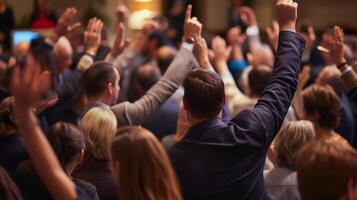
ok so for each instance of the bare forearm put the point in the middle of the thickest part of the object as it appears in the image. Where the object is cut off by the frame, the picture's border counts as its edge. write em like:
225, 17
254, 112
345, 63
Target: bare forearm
44, 159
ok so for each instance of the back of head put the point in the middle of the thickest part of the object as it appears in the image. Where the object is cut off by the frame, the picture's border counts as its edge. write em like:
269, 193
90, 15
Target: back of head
321, 100
143, 78
7, 123
165, 56
8, 189
290, 139
67, 141
331, 76
324, 169
204, 94
144, 171
99, 126
258, 78
97, 77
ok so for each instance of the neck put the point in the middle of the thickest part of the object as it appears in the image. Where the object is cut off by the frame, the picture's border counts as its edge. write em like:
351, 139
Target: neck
101, 99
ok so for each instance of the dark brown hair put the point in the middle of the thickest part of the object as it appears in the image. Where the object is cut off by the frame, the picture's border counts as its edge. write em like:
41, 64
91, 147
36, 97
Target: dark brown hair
322, 99
324, 169
97, 77
145, 171
258, 78
67, 141
204, 93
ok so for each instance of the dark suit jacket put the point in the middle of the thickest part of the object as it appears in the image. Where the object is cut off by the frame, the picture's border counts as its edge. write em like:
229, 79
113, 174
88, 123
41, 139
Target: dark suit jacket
218, 160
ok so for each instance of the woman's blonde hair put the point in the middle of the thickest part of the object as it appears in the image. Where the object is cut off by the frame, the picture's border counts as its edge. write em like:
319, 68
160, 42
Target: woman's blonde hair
99, 126
145, 171
290, 139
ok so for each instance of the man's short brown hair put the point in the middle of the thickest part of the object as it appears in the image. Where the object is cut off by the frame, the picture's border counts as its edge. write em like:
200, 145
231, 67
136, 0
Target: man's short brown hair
325, 168
322, 100
204, 93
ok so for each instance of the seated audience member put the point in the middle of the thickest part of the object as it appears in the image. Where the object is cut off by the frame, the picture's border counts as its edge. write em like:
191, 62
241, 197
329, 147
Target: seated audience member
218, 160
322, 108
281, 182
12, 147
160, 176
101, 82
141, 167
142, 80
327, 169
27, 92
68, 144
98, 126
346, 128
8, 189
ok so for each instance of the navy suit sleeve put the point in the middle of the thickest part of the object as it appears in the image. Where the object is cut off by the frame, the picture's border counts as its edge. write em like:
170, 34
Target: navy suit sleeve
268, 114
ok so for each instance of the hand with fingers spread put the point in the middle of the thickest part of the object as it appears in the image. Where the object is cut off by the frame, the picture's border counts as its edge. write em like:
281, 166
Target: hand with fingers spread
287, 14
221, 54
192, 27
273, 34
201, 52
336, 47
120, 42
93, 36
65, 25
248, 16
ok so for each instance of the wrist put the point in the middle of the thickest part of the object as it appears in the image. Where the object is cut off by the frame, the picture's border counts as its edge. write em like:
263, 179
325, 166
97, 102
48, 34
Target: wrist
204, 63
221, 66
91, 51
53, 37
291, 26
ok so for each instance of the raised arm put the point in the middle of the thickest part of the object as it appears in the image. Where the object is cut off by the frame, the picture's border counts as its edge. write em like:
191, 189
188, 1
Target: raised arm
92, 41
135, 113
235, 98
25, 87
272, 106
348, 75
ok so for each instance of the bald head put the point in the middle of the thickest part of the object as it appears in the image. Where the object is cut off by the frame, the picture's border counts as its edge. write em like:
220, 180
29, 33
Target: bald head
63, 54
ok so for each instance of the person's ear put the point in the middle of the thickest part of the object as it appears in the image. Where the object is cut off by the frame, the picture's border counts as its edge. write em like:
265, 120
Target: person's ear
110, 88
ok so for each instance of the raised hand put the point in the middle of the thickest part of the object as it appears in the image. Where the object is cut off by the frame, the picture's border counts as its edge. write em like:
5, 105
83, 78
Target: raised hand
27, 85
287, 14
65, 25
273, 34
192, 27
304, 76
201, 52
120, 42
221, 53
93, 36
336, 47
235, 36
248, 16
310, 37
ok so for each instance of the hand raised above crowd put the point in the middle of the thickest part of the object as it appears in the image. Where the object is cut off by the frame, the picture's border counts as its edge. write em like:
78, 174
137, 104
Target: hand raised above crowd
273, 34
221, 54
120, 42
192, 27
201, 52
287, 14
65, 25
93, 36
336, 47
248, 16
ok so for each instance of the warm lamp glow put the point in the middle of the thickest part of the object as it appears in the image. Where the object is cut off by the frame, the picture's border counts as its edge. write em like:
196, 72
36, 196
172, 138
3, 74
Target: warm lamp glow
141, 11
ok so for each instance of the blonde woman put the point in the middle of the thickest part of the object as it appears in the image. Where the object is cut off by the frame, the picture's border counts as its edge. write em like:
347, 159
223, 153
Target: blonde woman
99, 127
141, 167
281, 182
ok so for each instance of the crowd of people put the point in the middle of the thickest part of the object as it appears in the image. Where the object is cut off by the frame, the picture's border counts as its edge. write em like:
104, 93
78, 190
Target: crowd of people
208, 118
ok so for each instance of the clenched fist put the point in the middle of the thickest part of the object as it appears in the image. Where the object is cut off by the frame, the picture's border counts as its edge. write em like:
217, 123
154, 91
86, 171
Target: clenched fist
287, 14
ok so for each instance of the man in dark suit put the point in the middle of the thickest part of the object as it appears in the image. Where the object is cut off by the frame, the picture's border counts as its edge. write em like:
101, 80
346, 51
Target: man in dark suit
218, 160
